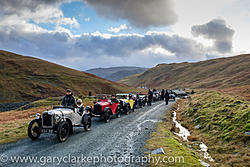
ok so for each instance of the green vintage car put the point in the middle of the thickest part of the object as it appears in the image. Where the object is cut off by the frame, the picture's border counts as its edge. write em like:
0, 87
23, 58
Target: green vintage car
127, 104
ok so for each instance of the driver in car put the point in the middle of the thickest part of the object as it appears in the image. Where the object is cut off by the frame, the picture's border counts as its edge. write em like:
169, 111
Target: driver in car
113, 98
69, 100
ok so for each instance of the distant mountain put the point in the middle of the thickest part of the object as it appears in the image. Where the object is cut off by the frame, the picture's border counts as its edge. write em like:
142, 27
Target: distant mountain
24, 78
116, 73
223, 73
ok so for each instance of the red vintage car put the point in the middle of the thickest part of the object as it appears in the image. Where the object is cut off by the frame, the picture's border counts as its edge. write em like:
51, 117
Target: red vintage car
107, 108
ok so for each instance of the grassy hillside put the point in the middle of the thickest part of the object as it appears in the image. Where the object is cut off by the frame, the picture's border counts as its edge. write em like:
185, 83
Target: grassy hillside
124, 73
25, 78
217, 73
222, 122
116, 73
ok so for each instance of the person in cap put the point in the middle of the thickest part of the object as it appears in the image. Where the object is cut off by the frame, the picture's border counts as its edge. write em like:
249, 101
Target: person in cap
69, 100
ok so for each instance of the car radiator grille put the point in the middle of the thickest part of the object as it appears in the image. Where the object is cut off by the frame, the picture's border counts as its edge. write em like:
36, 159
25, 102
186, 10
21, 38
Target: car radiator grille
47, 119
97, 109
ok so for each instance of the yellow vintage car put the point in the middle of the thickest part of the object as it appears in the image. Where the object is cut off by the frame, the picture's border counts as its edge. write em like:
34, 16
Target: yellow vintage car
127, 104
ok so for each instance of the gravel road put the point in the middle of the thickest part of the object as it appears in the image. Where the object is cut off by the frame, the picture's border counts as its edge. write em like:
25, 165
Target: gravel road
117, 143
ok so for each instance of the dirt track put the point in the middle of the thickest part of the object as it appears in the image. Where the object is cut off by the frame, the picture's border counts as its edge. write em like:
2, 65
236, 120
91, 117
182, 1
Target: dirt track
121, 138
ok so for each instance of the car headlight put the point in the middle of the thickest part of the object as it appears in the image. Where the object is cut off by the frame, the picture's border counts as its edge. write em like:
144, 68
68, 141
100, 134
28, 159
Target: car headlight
38, 116
57, 117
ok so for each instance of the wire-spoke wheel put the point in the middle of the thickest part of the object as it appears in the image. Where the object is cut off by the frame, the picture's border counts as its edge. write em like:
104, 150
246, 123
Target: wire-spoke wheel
63, 131
87, 124
34, 129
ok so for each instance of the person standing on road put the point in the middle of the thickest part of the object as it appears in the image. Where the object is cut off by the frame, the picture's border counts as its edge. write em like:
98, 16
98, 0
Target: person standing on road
162, 94
166, 97
69, 100
150, 96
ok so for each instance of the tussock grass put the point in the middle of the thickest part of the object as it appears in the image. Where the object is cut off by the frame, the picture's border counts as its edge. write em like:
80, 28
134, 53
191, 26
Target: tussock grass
223, 121
163, 137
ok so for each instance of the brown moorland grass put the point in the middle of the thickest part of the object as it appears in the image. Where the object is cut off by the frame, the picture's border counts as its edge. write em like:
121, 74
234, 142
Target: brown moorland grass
26, 79
223, 121
231, 74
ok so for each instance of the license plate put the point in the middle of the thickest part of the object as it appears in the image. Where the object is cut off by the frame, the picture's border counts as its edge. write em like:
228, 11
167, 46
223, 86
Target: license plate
47, 131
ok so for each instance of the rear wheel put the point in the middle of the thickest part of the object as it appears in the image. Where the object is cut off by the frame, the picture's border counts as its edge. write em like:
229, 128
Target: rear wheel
34, 129
63, 131
107, 117
118, 112
133, 109
127, 109
149, 103
87, 124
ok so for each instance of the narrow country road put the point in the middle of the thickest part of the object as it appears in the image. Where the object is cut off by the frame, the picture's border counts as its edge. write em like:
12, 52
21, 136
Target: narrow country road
121, 138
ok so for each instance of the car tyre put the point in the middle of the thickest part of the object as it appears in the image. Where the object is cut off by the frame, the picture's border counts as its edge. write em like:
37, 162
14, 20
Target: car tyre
118, 112
63, 131
127, 109
107, 117
87, 124
34, 129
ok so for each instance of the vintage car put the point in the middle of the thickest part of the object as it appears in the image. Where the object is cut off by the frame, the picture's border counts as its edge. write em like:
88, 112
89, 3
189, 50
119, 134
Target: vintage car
140, 101
59, 120
172, 96
156, 97
143, 99
106, 107
127, 104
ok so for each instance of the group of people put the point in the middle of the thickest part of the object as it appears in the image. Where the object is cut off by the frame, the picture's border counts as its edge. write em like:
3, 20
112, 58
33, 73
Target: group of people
70, 101
163, 94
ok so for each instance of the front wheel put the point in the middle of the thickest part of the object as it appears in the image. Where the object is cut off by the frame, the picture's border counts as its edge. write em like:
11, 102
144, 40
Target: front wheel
127, 109
118, 112
34, 129
63, 131
87, 123
107, 117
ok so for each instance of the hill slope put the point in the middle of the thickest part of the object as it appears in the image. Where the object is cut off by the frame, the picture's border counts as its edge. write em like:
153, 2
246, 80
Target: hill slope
25, 78
217, 73
116, 73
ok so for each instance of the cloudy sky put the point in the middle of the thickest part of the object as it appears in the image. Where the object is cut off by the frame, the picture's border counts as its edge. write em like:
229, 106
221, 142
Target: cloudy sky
85, 34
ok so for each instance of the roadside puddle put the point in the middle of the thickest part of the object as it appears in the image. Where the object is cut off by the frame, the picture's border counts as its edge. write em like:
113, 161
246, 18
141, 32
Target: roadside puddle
184, 133
204, 149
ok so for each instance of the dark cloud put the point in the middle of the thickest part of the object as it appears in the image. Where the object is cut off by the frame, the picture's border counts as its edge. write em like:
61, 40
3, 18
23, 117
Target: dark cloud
123, 46
140, 13
14, 12
87, 49
18, 6
218, 31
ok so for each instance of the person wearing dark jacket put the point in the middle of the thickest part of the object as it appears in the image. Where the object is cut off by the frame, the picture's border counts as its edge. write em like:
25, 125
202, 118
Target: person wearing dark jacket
162, 94
150, 97
69, 100
166, 97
